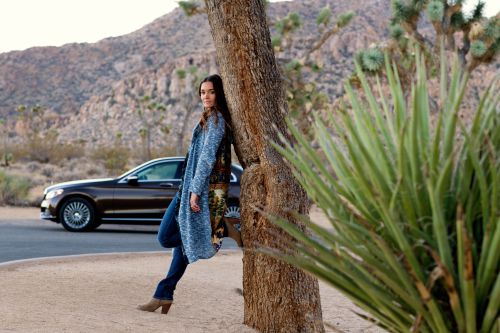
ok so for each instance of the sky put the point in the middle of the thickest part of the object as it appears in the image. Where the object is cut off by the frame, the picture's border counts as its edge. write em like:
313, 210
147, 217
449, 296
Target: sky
28, 23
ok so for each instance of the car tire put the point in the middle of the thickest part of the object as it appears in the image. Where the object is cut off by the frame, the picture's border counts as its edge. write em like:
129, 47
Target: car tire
233, 211
78, 214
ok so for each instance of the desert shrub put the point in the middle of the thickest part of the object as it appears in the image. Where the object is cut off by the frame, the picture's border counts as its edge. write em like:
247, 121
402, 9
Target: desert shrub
47, 151
48, 171
35, 195
65, 175
166, 151
156, 152
114, 159
94, 171
33, 166
73, 164
6, 158
413, 201
66, 151
13, 189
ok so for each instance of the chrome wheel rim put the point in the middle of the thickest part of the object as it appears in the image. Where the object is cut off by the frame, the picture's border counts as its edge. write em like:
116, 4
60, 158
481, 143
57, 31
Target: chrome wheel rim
76, 215
233, 211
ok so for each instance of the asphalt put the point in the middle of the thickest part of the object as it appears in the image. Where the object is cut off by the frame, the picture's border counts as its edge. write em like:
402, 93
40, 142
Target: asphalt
30, 238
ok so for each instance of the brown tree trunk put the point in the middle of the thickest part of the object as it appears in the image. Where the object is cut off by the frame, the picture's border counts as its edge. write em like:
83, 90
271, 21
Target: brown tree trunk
278, 297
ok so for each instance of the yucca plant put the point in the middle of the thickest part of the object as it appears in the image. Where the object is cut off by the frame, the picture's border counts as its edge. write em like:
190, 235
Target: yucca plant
413, 200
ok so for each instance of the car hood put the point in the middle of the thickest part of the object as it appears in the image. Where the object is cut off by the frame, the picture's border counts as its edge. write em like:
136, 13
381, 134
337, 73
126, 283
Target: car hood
77, 183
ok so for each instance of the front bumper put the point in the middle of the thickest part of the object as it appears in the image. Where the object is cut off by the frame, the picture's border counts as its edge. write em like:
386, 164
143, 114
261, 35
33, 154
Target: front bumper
47, 211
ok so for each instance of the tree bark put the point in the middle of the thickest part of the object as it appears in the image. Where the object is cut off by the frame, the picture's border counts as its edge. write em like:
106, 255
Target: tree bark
278, 297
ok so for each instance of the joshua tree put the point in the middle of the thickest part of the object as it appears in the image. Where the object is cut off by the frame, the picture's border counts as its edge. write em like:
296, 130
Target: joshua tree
115, 157
478, 37
151, 114
298, 71
5, 130
278, 297
189, 100
35, 126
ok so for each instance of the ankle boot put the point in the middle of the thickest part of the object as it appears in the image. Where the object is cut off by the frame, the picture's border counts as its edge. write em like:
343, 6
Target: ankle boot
154, 304
233, 233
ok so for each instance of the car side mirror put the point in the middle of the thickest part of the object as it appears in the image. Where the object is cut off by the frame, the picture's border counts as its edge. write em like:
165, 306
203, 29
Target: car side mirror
132, 180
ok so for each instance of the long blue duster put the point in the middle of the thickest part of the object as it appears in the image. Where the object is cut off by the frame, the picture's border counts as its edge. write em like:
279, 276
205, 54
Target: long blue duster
195, 228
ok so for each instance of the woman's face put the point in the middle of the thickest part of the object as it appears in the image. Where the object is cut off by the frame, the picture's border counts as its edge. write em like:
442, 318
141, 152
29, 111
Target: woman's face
207, 94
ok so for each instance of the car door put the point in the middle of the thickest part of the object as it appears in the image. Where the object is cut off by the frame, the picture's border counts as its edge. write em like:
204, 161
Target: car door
146, 199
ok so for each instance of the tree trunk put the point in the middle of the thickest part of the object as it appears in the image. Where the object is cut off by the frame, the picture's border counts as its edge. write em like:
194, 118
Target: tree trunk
148, 142
278, 297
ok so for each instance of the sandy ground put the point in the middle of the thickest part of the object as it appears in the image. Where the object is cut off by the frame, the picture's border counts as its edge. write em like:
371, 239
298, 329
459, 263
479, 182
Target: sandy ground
99, 293
19, 213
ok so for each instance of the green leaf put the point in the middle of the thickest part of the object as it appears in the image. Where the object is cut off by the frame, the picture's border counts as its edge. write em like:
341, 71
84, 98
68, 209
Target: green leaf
324, 16
276, 41
372, 59
396, 31
412, 198
478, 48
435, 10
344, 19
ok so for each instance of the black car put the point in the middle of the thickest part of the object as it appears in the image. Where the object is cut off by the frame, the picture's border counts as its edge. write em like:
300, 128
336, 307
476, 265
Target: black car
139, 196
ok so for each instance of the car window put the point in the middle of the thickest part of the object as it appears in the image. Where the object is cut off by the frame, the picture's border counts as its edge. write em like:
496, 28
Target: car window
159, 171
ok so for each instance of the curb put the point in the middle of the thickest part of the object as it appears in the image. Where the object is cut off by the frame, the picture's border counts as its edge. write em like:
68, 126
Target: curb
22, 262
57, 259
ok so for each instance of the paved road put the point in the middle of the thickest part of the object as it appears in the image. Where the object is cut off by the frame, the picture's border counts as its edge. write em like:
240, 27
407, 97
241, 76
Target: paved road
28, 238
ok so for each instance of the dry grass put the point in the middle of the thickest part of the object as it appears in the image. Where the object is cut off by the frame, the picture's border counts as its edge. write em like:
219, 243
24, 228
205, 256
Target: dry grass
40, 175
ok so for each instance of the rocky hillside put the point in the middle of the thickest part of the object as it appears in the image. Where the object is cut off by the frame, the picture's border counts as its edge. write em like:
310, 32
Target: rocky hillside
94, 87
64, 78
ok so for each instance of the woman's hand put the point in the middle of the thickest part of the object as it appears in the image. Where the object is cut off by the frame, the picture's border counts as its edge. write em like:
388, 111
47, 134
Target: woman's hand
193, 202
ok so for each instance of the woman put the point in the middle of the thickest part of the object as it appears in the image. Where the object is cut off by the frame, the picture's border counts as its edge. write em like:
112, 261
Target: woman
193, 224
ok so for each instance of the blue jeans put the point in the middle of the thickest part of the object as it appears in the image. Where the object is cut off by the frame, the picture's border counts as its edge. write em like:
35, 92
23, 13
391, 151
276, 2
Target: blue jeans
170, 237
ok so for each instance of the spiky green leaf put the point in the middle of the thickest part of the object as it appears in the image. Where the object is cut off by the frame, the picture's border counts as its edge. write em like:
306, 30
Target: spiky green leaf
478, 48
435, 10
324, 16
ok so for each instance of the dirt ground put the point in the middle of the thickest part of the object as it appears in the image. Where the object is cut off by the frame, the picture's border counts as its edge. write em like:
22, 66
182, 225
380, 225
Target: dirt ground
99, 293
19, 213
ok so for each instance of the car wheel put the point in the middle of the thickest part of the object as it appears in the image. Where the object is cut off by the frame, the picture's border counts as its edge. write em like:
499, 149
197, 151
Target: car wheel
77, 214
233, 211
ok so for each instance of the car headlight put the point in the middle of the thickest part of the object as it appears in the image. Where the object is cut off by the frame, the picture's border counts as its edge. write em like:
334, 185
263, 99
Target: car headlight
54, 193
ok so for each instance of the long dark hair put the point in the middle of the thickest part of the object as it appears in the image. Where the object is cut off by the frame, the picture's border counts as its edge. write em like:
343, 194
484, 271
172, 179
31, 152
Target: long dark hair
220, 101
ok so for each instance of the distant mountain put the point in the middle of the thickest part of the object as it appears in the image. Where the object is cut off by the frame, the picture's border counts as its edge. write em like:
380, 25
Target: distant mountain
64, 78
92, 86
